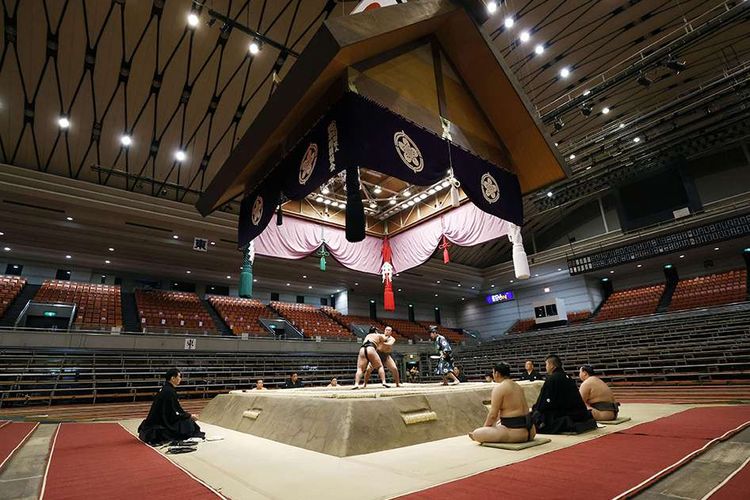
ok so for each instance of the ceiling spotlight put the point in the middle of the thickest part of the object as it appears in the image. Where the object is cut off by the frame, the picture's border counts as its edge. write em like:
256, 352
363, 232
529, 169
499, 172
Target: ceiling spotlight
682, 256
407, 193
508, 22
335, 204
549, 194
213, 243
7, 249
438, 187
410, 203
644, 80
126, 140
492, 286
107, 262
392, 201
176, 237
432, 191
192, 19
2, 233
373, 205
622, 125
586, 109
445, 184
69, 218
111, 249
327, 202
180, 155
539, 49
675, 65
586, 92
565, 72
63, 122
636, 139
319, 199
287, 284
377, 190
524, 37
605, 110
491, 6
559, 124
68, 257
572, 156
325, 190
254, 47
309, 287
639, 265
229, 277
422, 196
611, 272
716, 248
187, 272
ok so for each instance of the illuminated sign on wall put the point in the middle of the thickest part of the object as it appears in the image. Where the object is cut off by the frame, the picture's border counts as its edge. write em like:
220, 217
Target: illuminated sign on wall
496, 298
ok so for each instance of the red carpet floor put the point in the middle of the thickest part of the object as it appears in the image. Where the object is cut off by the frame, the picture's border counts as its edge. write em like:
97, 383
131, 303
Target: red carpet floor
12, 436
104, 461
613, 464
737, 487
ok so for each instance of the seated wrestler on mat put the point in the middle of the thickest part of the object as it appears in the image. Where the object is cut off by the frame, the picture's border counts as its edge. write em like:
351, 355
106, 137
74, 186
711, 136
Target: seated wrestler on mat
597, 395
509, 420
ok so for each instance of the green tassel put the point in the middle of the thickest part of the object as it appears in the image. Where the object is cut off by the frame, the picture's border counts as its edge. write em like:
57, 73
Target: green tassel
246, 275
322, 263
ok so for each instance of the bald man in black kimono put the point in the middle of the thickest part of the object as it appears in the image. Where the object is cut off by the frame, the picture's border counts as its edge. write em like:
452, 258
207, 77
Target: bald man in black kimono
166, 420
559, 407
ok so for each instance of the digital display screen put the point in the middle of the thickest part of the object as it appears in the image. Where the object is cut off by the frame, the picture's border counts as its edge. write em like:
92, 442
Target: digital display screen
496, 298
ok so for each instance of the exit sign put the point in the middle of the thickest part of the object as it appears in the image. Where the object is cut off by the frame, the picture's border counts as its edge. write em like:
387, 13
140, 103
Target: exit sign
50, 314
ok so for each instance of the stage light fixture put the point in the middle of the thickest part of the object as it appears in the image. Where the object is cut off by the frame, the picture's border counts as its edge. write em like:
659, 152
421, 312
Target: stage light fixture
491, 7
636, 140
63, 122
605, 110
192, 19
525, 36
377, 190
572, 157
644, 80
509, 22
254, 47
565, 72
180, 155
539, 49
675, 65
586, 109
559, 124
319, 199
126, 140
407, 193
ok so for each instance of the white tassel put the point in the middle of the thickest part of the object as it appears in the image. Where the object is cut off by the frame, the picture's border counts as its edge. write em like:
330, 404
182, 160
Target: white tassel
455, 201
520, 262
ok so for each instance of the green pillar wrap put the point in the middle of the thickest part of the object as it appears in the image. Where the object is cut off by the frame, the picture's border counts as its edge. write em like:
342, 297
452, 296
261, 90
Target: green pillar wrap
246, 275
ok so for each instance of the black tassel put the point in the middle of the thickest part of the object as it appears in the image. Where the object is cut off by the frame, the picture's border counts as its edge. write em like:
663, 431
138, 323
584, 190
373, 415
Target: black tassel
355, 211
279, 216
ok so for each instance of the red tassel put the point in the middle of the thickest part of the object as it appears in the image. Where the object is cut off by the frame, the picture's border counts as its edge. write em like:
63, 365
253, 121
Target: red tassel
389, 303
444, 246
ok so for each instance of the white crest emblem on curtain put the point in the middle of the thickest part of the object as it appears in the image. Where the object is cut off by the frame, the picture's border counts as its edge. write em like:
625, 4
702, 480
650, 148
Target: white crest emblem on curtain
257, 212
408, 151
308, 163
490, 189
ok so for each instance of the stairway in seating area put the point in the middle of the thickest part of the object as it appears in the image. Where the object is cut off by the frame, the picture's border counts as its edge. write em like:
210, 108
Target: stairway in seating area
130, 321
27, 293
218, 320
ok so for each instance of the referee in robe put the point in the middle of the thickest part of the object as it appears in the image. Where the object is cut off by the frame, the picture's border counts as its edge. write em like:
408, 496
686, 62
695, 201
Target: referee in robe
166, 420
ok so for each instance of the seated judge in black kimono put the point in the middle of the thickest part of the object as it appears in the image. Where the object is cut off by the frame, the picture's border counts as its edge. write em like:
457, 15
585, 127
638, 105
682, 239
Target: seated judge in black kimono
559, 407
166, 420
530, 373
292, 382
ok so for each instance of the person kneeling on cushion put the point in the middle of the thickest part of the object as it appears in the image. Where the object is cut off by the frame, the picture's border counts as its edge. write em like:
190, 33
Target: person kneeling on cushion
509, 420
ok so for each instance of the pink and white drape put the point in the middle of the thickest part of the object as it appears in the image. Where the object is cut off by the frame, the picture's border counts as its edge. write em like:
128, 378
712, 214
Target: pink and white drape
464, 226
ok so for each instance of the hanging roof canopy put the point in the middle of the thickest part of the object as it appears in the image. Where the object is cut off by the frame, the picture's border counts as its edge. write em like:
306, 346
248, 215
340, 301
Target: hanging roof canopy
323, 73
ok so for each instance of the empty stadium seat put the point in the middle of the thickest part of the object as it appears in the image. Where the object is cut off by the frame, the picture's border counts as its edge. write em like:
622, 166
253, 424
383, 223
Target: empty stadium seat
711, 290
578, 316
98, 306
310, 320
631, 302
409, 329
241, 315
522, 325
10, 287
163, 311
